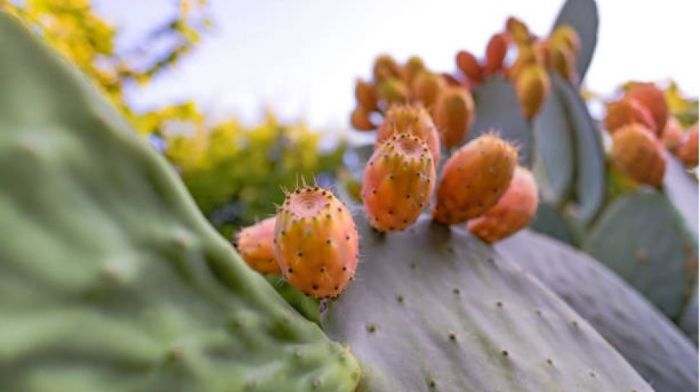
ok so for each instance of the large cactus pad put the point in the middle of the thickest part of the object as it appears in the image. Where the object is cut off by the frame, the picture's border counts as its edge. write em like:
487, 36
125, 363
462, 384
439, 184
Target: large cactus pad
110, 279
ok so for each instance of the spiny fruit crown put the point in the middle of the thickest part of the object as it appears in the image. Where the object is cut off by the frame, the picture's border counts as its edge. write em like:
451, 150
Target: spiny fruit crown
413, 119
316, 242
398, 182
474, 178
255, 244
513, 211
638, 154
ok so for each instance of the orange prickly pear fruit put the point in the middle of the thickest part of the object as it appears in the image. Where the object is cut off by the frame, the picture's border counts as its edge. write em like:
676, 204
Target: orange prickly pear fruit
469, 65
316, 242
566, 36
563, 60
514, 210
454, 115
672, 136
393, 91
638, 154
385, 67
650, 96
427, 87
495, 53
527, 56
255, 244
360, 120
450, 80
627, 111
518, 31
365, 95
474, 178
532, 87
398, 181
413, 67
412, 119
688, 150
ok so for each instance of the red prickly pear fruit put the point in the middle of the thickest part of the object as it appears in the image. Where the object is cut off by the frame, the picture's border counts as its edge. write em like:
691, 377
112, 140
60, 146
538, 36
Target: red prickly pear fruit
627, 111
385, 67
518, 31
360, 120
413, 119
513, 211
638, 154
474, 178
256, 245
495, 54
566, 36
454, 115
316, 242
365, 95
688, 150
413, 67
469, 65
650, 96
672, 136
398, 181
427, 87
392, 91
532, 87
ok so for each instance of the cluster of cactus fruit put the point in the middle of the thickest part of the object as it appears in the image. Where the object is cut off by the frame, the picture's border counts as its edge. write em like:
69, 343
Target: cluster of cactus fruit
313, 242
641, 127
434, 306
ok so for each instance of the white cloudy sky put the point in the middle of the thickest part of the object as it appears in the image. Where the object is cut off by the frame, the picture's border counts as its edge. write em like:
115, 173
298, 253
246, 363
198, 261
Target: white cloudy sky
301, 57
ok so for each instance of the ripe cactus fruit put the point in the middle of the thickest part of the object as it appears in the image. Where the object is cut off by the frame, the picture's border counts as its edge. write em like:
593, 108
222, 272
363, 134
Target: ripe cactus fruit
513, 211
316, 242
256, 245
360, 120
413, 67
427, 87
672, 135
650, 96
454, 115
415, 120
385, 67
469, 65
495, 53
562, 60
688, 150
398, 181
392, 90
532, 87
638, 154
527, 56
627, 111
365, 95
518, 31
474, 178
566, 36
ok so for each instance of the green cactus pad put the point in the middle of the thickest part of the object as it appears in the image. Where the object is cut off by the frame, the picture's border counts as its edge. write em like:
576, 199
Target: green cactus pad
554, 140
689, 320
647, 339
550, 221
682, 190
589, 153
435, 309
110, 279
582, 15
497, 108
641, 237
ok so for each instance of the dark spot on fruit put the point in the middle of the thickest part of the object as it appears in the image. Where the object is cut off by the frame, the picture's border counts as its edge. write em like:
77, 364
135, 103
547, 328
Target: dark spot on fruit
314, 287
300, 254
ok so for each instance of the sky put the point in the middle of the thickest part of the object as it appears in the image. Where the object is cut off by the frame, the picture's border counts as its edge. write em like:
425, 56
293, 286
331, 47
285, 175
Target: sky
301, 58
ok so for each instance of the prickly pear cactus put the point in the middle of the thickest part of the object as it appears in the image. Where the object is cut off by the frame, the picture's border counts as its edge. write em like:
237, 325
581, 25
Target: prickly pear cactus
435, 309
647, 339
110, 278
640, 237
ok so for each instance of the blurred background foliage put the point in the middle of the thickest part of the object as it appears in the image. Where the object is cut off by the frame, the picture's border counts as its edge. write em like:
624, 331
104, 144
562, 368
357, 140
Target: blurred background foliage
235, 173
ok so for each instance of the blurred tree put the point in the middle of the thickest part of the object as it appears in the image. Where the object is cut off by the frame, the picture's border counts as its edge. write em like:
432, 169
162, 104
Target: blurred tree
235, 174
